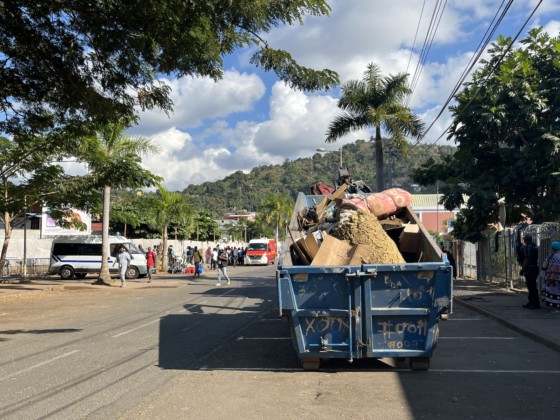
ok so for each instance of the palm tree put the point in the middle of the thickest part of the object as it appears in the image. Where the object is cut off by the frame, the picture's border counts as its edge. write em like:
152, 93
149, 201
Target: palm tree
376, 101
276, 210
166, 208
114, 161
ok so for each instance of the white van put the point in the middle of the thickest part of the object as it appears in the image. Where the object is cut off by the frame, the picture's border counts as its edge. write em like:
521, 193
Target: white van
79, 255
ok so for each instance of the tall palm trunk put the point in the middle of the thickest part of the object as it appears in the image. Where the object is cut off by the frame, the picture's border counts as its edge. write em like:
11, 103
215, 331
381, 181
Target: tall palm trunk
7, 236
104, 275
379, 177
7, 229
164, 257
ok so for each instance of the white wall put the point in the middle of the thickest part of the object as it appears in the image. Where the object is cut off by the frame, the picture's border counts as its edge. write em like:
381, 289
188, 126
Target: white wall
38, 247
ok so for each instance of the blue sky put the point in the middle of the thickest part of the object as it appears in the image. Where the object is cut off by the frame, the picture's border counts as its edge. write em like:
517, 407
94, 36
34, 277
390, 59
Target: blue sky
249, 118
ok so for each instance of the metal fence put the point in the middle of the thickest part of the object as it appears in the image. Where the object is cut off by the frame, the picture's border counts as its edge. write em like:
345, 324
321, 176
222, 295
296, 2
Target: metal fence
33, 267
494, 258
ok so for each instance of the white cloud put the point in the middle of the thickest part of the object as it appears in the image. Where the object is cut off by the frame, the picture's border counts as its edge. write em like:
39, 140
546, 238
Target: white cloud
200, 99
239, 123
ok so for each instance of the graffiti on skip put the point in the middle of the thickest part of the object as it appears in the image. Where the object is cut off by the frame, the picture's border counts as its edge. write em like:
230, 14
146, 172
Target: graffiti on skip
388, 328
324, 323
405, 344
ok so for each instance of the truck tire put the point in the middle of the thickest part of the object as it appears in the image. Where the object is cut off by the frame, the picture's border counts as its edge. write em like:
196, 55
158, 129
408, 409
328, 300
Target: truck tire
66, 272
419, 363
311, 364
132, 272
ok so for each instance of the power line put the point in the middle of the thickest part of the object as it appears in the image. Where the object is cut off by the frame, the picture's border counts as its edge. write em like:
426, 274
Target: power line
490, 73
428, 41
415, 35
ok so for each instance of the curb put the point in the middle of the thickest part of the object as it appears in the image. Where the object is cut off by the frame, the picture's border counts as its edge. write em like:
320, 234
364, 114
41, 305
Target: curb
523, 331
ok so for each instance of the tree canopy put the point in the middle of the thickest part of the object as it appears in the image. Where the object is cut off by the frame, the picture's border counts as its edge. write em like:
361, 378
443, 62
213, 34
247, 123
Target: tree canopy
67, 64
376, 101
507, 127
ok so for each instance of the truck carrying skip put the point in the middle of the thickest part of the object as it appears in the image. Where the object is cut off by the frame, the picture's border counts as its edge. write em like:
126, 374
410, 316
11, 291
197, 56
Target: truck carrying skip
359, 311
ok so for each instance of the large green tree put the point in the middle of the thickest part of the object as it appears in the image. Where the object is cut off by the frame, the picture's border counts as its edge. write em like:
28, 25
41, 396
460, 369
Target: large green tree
29, 180
114, 160
65, 64
166, 207
507, 127
376, 101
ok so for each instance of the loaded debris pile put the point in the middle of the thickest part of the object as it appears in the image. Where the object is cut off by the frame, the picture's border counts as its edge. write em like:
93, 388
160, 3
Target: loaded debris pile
354, 229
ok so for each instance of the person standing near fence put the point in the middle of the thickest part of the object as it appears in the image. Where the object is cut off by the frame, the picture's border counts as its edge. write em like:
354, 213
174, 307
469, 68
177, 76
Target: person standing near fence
530, 269
551, 268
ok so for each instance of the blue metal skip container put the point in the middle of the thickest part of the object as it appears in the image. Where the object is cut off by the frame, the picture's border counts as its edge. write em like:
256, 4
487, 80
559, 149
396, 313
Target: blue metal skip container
370, 310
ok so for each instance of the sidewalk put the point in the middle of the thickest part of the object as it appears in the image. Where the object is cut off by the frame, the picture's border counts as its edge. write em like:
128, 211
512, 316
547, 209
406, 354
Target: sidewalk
506, 307
488, 299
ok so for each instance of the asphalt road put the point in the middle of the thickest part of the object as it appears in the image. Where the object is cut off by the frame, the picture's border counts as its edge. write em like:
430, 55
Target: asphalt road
199, 351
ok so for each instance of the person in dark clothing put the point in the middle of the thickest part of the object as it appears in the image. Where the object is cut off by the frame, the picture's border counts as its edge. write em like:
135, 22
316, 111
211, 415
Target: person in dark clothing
451, 259
530, 269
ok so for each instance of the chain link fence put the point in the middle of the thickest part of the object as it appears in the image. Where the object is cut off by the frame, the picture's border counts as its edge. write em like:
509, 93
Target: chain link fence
33, 268
494, 258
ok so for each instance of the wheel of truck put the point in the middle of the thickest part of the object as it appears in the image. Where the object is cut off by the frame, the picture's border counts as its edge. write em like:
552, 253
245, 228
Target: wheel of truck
419, 363
132, 272
80, 275
311, 364
66, 272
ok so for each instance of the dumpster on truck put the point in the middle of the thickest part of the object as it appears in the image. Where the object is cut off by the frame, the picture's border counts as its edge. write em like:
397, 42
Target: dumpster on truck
359, 310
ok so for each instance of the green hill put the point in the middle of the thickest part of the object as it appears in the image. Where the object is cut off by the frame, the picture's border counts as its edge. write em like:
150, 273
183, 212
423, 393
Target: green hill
244, 191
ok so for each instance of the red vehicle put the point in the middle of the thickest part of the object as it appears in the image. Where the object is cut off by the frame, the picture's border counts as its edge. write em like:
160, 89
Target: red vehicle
261, 252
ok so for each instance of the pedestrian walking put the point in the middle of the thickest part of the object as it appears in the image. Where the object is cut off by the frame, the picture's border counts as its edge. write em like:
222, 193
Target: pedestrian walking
234, 256
123, 259
214, 260
150, 263
223, 259
530, 270
208, 256
551, 268
197, 258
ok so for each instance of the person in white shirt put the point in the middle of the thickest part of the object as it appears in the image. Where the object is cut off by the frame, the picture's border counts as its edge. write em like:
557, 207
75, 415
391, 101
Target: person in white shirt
123, 258
214, 259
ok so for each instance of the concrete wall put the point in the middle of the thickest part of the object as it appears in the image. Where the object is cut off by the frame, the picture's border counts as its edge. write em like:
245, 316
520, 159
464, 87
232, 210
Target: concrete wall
38, 247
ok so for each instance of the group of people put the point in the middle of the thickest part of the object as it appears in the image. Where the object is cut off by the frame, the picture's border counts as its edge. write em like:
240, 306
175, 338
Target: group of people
219, 258
528, 258
235, 256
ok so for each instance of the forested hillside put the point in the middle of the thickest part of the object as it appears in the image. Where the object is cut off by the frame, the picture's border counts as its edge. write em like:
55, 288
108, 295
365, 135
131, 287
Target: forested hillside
241, 191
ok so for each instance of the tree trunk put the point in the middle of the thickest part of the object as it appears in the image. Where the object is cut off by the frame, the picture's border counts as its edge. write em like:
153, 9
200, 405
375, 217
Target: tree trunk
104, 275
7, 236
164, 257
379, 178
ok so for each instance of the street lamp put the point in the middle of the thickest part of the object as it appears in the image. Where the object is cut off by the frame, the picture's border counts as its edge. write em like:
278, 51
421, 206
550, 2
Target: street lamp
323, 150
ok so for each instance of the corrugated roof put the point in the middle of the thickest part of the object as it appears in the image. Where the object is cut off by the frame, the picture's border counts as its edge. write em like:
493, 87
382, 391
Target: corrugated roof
426, 201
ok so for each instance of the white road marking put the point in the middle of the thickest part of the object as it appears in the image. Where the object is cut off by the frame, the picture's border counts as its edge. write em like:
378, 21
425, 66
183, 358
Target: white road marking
38, 365
276, 369
137, 328
555, 372
252, 369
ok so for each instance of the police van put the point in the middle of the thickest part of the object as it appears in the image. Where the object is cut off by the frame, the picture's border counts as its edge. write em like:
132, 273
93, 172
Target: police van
79, 255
